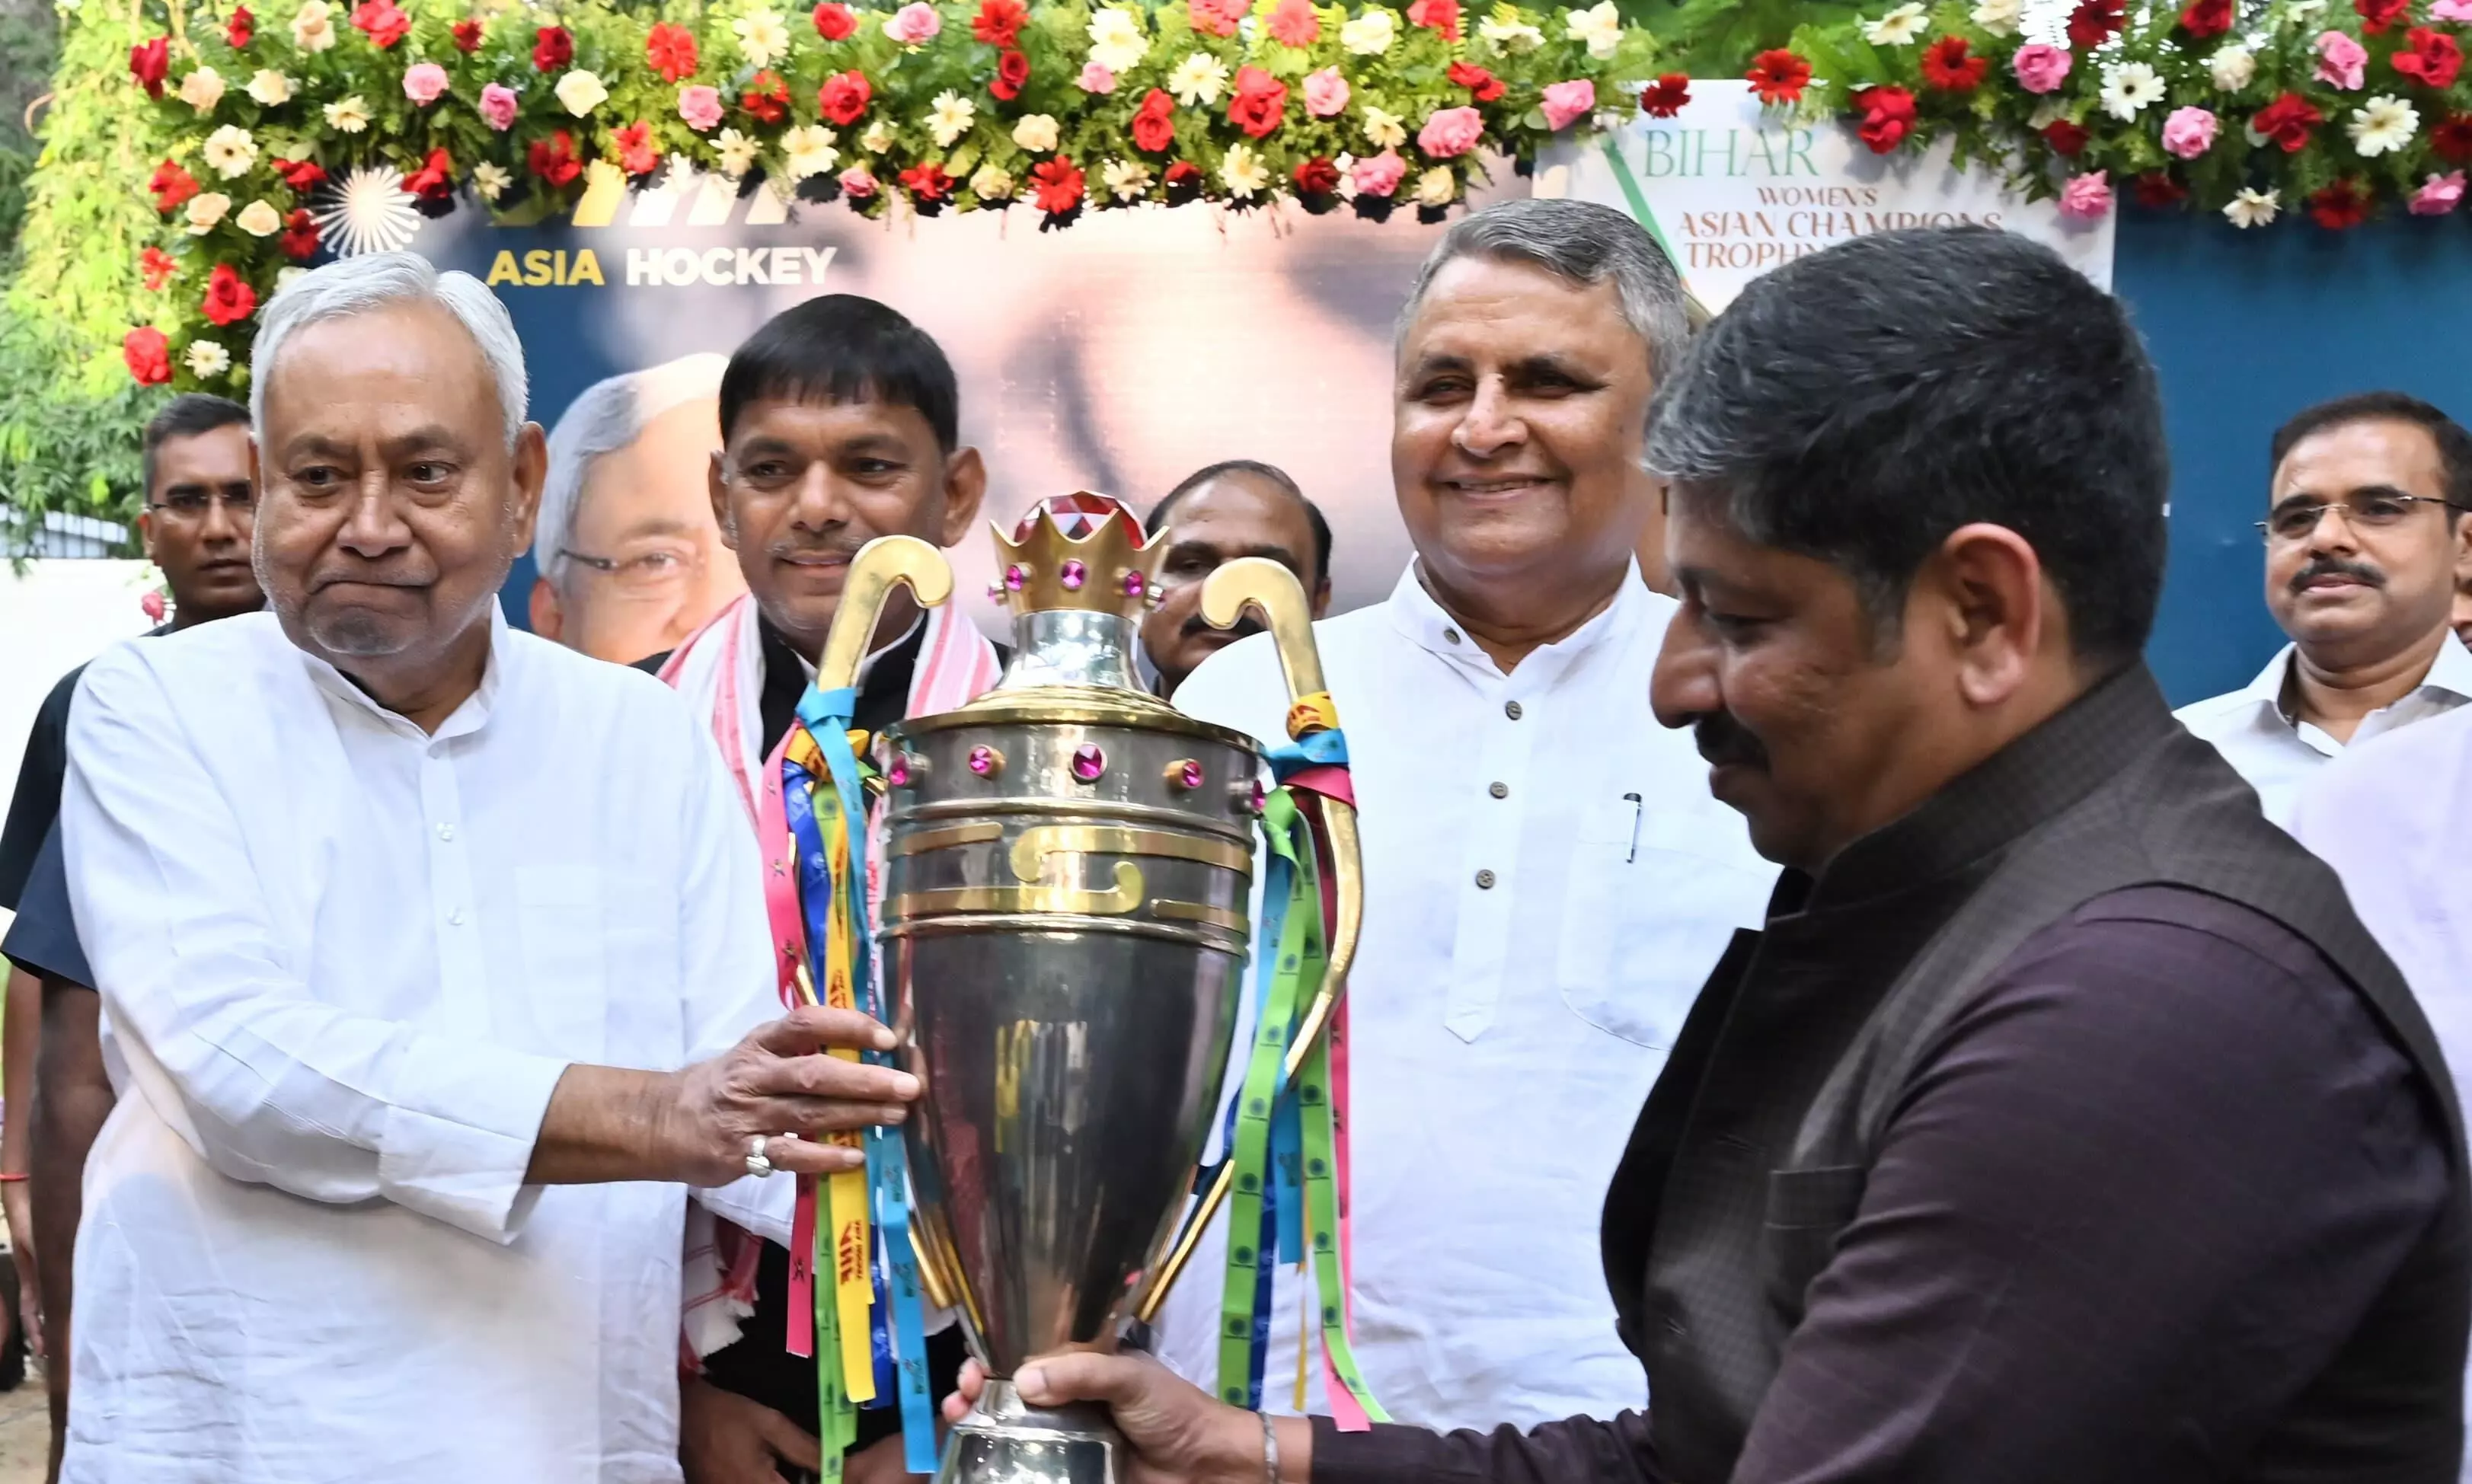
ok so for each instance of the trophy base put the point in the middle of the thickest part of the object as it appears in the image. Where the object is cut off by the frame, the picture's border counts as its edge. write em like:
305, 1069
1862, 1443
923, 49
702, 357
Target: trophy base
1006, 1441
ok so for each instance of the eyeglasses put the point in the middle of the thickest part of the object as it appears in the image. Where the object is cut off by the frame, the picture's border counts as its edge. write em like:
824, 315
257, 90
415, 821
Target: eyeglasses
194, 504
651, 571
2299, 520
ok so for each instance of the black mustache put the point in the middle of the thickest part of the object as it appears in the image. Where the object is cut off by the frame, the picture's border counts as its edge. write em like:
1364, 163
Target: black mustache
1722, 741
841, 549
2337, 567
1197, 626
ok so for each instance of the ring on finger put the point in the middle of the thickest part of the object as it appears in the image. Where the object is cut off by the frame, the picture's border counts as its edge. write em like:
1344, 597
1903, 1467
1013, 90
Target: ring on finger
758, 1165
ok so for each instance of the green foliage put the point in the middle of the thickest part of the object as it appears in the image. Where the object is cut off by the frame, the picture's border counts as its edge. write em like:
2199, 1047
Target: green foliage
1718, 39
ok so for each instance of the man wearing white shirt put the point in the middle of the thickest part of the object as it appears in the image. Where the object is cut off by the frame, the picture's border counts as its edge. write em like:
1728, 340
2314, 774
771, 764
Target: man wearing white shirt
1547, 878
2365, 541
434, 950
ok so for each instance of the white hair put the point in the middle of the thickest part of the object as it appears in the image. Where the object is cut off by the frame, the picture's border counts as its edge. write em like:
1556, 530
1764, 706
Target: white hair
605, 418
359, 285
1582, 242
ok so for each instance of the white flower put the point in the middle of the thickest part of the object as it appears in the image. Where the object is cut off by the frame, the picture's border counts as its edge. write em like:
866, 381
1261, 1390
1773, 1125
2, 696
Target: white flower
313, 28
1243, 171
1035, 133
1198, 80
369, 211
763, 38
877, 139
1999, 16
1436, 187
1507, 31
2252, 208
205, 211
1117, 41
208, 358
1370, 34
951, 118
737, 152
2129, 88
284, 277
2231, 67
2383, 124
1900, 27
1386, 130
582, 92
230, 151
489, 180
1126, 180
350, 115
259, 220
991, 184
1600, 26
270, 87
203, 90
808, 151
2046, 22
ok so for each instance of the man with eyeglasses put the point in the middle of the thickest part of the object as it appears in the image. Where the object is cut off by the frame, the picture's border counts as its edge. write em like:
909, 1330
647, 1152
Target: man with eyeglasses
631, 561
2365, 542
201, 507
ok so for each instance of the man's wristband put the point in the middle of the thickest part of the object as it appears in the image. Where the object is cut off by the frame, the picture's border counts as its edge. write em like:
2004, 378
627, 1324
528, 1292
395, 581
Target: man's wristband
12, 1177
1269, 1450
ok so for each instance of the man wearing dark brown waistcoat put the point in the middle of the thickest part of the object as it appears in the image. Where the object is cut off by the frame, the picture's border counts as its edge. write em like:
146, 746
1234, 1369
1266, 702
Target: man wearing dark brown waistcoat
2063, 1124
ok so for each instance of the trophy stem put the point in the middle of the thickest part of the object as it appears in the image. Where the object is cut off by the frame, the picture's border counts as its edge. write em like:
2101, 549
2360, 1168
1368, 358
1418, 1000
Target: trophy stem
1006, 1441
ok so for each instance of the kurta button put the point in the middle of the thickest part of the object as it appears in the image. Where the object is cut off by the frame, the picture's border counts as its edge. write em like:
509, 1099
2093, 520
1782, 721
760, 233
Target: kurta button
1500, 791
1485, 881
445, 831
455, 918
1451, 634
1510, 709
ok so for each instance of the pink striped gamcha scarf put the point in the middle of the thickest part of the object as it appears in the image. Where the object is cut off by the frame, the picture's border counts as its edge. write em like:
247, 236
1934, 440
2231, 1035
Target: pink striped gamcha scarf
719, 671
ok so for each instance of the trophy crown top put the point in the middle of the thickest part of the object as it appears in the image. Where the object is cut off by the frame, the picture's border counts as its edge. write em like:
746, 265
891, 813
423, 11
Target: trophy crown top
1081, 551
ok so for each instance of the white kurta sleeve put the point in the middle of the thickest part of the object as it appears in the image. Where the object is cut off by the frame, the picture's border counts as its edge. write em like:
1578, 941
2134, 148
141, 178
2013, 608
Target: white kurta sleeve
271, 1084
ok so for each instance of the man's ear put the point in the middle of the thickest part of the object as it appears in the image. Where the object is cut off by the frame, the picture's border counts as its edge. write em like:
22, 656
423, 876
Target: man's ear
1321, 598
146, 531
531, 470
548, 619
1994, 612
718, 488
965, 487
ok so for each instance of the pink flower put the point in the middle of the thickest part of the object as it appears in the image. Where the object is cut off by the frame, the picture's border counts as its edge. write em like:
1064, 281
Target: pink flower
1450, 131
2086, 197
1567, 103
1326, 93
2040, 68
2451, 10
498, 106
1379, 176
913, 23
425, 82
2341, 61
152, 605
2189, 132
2439, 194
699, 106
857, 183
1096, 79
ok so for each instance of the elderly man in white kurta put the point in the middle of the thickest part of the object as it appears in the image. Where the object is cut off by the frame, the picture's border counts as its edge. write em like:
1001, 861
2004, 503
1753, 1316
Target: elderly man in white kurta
439, 956
1547, 878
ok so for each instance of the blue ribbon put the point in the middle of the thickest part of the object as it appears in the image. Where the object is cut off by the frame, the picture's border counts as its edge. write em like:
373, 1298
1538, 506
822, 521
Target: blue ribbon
1319, 749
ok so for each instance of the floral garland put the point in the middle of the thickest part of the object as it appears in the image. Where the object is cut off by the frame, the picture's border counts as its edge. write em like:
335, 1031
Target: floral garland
2251, 109
329, 129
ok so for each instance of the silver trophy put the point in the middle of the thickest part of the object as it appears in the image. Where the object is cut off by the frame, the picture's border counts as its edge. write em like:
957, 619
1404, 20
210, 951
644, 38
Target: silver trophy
1064, 935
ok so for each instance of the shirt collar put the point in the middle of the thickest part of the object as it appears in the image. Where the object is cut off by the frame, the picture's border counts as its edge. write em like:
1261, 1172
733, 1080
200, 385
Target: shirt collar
467, 718
1429, 626
774, 640
2450, 672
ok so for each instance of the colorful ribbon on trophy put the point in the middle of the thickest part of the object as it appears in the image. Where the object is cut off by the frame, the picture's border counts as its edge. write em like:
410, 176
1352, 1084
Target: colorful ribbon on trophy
869, 1341
1288, 1141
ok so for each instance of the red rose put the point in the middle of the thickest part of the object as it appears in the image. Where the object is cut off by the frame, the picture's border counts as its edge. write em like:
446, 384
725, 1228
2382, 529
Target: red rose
1947, 66
1154, 122
1483, 86
766, 97
671, 52
229, 299
2339, 205
1060, 185
302, 175
148, 355
1665, 97
1317, 177
2203, 18
635, 152
1779, 76
999, 22
1182, 182
382, 21
2430, 58
1258, 104
843, 97
1013, 74
554, 161
927, 182
435, 180
158, 265
241, 29
1887, 116
2452, 138
148, 62
300, 239
834, 22
2064, 137
2376, 15
1442, 15
171, 185
2096, 21
552, 48
2288, 121
2156, 189
467, 36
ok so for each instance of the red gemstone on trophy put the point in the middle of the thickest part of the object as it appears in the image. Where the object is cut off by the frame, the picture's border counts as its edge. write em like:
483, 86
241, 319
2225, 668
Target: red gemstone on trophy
1081, 514
1135, 584
1089, 762
1073, 574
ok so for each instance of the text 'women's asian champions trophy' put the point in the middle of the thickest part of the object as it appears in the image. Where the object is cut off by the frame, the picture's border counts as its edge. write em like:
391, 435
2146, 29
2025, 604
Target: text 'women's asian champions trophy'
1063, 940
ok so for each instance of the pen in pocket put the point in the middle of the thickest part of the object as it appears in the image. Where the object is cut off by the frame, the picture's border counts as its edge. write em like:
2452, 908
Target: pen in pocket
1636, 808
